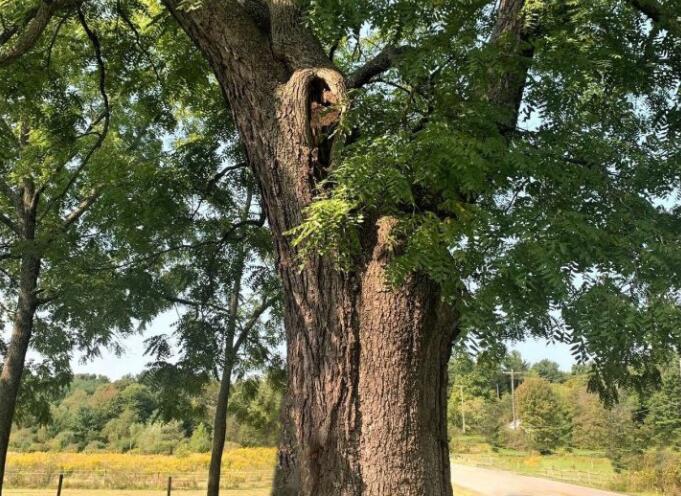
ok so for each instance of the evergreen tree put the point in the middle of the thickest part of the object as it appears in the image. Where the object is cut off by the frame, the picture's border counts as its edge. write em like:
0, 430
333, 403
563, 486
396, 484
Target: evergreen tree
664, 410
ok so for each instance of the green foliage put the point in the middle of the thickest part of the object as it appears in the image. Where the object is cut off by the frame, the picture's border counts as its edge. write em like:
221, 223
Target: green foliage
664, 418
85, 117
200, 440
126, 416
562, 227
542, 415
255, 410
549, 370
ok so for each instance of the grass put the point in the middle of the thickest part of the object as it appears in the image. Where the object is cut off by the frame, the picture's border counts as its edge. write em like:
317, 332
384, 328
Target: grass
243, 468
143, 492
458, 491
462, 491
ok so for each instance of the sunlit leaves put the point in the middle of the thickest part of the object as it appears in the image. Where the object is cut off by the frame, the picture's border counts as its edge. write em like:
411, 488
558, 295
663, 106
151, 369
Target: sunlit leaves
566, 228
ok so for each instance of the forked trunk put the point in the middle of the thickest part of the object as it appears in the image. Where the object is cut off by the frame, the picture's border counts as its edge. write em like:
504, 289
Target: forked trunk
366, 407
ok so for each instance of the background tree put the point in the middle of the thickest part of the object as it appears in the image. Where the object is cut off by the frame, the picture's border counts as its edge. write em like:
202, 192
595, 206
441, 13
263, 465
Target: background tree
542, 416
663, 409
88, 186
229, 325
65, 141
549, 370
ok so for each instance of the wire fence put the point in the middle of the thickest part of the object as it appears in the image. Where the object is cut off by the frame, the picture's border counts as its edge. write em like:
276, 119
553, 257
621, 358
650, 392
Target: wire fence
62, 480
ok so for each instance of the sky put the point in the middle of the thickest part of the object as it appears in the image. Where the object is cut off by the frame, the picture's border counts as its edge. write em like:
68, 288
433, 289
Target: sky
133, 360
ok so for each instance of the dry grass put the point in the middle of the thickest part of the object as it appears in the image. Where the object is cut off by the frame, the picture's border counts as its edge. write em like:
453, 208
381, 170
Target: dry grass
248, 472
233, 459
462, 491
119, 492
243, 468
458, 491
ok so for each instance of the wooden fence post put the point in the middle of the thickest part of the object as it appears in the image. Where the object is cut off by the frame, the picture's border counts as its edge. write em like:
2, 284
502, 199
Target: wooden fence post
170, 485
59, 485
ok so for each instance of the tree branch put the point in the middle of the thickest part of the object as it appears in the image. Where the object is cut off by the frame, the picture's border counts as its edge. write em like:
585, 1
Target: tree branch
659, 14
386, 59
512, 39
226, 235
83, 207
220, 174
34, 28
10, 224
106, 114
195, 304
255, 316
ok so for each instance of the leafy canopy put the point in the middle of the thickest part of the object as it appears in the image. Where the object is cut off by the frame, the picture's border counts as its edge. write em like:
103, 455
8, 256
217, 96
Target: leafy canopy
565, 226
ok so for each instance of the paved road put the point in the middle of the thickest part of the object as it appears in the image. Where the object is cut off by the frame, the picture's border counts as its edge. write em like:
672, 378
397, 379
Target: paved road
489, 482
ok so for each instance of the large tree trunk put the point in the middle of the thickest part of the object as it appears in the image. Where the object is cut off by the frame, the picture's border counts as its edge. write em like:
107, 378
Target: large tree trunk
367, 383
13, 366
365, 412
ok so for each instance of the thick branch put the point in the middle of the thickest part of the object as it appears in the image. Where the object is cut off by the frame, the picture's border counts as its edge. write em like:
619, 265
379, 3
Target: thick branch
659, 14
292, 41
386, 59
512, 39
30, 35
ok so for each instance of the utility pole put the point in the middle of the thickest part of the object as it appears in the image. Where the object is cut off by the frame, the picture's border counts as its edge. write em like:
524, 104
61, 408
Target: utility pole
463, 413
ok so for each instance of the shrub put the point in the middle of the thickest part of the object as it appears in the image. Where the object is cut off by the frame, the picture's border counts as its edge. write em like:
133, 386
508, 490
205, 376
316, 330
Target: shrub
200, 440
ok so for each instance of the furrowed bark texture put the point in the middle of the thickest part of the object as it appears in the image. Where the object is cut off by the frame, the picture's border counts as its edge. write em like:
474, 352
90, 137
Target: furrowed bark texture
366, 407
13, 366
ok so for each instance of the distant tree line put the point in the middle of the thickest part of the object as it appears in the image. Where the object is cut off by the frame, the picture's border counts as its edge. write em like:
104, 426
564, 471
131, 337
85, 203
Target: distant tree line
556, 409
129, 415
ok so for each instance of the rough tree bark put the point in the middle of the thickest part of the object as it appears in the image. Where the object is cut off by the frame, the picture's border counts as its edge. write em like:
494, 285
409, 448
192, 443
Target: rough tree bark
27, 303
366, 407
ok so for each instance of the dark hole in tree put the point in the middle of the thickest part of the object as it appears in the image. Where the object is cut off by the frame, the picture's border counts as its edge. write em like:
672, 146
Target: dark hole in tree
323, 120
